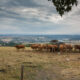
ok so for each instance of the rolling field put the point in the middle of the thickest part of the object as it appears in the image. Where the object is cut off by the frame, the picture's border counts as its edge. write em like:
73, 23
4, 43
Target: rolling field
38, 65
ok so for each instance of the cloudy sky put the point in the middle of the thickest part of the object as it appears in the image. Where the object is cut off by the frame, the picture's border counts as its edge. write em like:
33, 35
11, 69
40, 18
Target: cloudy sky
36, 17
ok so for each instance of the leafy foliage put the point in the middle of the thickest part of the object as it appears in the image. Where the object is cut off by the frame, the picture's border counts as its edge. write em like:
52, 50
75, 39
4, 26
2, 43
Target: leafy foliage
64, 5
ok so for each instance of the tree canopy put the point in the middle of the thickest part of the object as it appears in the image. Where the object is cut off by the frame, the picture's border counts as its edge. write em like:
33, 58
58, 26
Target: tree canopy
63, 6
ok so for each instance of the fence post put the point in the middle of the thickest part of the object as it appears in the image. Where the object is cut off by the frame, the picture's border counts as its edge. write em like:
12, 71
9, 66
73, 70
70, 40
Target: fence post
22, 71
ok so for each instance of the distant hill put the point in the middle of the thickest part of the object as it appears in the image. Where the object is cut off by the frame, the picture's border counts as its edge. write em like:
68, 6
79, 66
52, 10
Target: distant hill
35, 38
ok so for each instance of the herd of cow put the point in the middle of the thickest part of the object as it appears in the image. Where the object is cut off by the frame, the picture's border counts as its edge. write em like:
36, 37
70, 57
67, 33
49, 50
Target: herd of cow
56, 48
52, 48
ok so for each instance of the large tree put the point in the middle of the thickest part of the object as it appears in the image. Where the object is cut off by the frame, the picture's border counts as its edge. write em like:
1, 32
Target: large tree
63, 6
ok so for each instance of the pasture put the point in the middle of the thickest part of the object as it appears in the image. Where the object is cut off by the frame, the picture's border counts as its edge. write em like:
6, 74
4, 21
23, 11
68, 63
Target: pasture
39, 65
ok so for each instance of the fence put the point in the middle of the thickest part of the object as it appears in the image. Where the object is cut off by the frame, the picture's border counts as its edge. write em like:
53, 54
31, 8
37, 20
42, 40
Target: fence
32, 71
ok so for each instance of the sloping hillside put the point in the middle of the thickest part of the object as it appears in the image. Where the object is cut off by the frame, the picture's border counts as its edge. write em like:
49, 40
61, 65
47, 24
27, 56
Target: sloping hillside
38, 65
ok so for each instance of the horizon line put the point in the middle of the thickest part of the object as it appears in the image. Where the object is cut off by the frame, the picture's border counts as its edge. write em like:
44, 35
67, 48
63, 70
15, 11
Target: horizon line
39, 34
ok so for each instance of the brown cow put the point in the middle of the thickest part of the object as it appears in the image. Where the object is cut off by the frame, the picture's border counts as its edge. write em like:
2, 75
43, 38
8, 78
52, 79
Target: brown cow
52, 48
62, 47
35, 46
77, 47
45, 46
20, 47
42, 47
69, 47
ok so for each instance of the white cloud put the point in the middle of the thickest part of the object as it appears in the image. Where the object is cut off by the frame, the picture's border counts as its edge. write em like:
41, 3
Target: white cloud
22, 19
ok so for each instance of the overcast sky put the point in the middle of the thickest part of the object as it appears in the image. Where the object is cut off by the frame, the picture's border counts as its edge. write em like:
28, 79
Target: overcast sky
36, 17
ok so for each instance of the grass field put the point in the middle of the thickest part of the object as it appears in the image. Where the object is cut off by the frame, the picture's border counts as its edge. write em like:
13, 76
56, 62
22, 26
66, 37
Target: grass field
38, 65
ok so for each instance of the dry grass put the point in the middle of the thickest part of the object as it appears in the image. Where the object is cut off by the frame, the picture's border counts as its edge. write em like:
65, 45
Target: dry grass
44, 65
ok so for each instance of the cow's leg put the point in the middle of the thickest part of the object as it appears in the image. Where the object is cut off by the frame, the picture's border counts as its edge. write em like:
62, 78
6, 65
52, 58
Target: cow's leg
50, 49
61, 51
53, 49
71, 50
66, 50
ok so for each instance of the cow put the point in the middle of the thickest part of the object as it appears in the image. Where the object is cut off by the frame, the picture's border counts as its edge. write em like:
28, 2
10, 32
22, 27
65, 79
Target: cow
62, 48
45, 46
39, 47
42, 47
20, 47
77, 47
35, 46
52, 48
69, 47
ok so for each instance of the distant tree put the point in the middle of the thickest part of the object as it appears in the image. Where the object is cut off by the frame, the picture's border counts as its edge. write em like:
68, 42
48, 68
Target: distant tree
54, 41
63, 6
